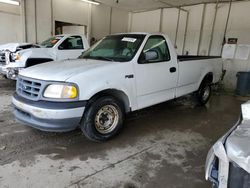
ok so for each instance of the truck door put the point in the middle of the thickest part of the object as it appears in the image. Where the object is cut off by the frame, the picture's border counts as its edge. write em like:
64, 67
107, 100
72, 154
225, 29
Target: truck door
71, 48
156, 73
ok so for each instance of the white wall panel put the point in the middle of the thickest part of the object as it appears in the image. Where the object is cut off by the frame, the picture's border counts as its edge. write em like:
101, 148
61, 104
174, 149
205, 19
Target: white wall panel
146, 21
10, 24
44, 25
219, 29
74, 30
71, 11
238, 27
119, 21
169, 22
181, 32
207, 29
30, 21
239, 22
10, 28
100, 21
194, 26
12, 9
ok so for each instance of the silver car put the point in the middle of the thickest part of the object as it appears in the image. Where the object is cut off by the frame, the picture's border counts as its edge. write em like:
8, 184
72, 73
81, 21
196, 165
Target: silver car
228, 161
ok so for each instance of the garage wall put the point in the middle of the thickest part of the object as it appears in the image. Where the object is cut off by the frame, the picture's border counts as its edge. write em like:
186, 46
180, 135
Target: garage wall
10, 21
106, 20
169, 24
180, 38
209, 15
71, 11
100, 19
44, 26
30, 21
119, 21
193, 29
146, 21
40, 16
238, 27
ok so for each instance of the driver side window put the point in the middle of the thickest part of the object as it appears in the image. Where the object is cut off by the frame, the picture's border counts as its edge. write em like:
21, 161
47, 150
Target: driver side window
72, 43
155, 51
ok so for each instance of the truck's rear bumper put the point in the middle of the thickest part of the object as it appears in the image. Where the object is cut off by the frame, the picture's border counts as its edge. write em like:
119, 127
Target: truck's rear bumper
60, 118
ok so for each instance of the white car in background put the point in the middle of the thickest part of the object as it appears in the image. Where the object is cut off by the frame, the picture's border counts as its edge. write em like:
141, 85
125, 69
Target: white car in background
228, 161
15, 56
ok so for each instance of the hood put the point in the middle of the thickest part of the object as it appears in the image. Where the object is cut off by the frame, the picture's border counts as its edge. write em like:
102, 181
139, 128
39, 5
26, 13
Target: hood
62, 70
13, 46
237, 144
38, 52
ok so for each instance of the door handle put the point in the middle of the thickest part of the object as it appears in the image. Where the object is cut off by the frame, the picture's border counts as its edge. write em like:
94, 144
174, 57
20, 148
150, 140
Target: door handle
172, 69
129, 76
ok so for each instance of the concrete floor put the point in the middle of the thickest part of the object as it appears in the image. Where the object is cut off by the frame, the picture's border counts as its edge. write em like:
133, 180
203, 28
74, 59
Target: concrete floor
162, 146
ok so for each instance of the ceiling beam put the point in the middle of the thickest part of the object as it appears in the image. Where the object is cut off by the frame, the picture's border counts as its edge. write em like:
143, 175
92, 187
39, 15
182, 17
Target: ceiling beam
171, 6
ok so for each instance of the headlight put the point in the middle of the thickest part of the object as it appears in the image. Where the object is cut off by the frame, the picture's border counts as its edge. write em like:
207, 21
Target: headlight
57, 91
15, 57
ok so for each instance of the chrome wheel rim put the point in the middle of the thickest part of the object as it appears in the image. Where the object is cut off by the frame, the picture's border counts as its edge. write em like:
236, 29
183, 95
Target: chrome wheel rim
206, 93
106, 119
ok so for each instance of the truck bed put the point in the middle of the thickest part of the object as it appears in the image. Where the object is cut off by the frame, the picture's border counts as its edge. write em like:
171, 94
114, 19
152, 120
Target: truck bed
194, 57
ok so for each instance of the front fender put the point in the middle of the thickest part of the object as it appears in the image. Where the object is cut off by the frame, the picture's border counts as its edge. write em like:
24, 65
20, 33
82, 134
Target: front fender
89, 92
90, 86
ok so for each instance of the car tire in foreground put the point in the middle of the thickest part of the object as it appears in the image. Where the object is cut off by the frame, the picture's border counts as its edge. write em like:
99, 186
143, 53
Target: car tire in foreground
103, 119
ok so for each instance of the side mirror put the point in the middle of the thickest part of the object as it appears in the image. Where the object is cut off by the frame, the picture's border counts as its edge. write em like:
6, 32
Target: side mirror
60, 47
151, 55
148, 56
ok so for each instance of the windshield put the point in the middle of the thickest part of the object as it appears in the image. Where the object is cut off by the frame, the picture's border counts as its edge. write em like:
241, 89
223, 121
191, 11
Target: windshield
120, 48
51, 42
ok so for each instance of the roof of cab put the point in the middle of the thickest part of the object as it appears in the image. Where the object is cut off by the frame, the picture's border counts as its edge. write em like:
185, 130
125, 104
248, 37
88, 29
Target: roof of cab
68, 35
138, 33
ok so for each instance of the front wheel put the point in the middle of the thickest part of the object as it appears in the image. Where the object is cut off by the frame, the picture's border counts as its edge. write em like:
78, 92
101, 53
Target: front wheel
204, 93
103, 119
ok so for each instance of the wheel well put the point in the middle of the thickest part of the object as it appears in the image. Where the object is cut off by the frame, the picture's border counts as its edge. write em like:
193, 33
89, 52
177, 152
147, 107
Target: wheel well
35, 61
119, 95
209, 77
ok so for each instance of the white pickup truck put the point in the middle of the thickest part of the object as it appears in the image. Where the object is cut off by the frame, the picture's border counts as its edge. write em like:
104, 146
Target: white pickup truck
119, 74
15, 56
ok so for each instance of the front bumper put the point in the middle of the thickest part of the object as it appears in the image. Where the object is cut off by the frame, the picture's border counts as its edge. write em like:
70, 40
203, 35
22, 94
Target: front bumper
3, 70
48, 116
10, 72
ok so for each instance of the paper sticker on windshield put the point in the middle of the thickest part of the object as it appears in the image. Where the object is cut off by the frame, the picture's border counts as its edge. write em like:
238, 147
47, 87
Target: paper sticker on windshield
127, 39
58, 38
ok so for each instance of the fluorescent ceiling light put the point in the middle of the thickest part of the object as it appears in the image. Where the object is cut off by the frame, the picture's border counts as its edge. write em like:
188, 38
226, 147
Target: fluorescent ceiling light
92, 2
10, 2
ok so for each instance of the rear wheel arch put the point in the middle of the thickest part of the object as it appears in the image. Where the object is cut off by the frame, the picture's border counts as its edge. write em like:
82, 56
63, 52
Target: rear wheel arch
209, 77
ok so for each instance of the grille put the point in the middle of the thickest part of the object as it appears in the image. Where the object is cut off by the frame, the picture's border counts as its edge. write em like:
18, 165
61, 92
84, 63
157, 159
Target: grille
2, 58
29, 88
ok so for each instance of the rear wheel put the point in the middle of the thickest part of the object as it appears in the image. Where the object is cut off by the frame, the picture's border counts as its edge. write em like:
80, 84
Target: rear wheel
103, 119
204, 93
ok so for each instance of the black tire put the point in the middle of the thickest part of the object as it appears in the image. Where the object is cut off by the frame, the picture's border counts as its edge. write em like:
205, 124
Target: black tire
204, 93
94, 115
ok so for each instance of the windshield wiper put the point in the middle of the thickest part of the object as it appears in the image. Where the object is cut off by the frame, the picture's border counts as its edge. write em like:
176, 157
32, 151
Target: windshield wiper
102, 58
